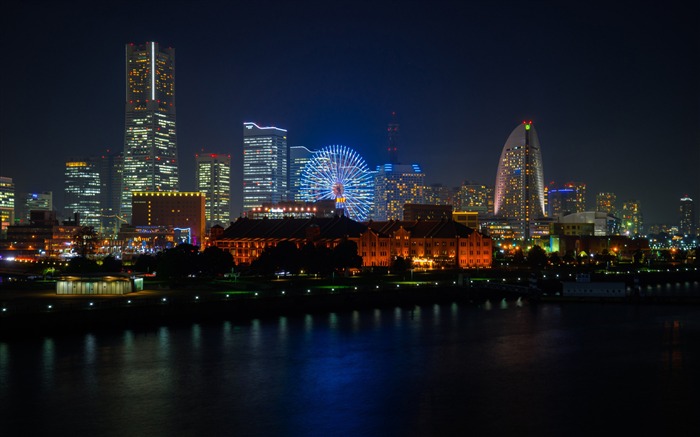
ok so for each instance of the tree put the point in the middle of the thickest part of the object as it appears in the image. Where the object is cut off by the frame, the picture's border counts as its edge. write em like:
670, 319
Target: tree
215, 261
111, 264
401, 264
85, 241
345, 255
146, 263
81, 264
179, 262
537, 257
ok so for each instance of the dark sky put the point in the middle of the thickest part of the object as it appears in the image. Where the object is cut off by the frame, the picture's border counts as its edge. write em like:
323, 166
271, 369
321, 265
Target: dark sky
612, 87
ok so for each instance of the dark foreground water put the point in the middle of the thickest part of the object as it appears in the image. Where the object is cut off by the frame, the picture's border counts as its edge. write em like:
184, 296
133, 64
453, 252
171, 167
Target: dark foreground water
505, 368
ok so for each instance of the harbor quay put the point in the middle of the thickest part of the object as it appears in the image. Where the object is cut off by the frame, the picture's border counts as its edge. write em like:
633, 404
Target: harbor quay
38, 310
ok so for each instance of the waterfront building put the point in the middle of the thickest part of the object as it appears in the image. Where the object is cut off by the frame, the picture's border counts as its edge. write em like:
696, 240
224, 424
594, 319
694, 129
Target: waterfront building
606, 202
43, 236
150, 140
299, 156
474, 197
265, 169
687, 216
82, 190
181, 211
567, 199
595, 223
213, 178
632, 221
431, 243
519, 191
394, 186
7, 204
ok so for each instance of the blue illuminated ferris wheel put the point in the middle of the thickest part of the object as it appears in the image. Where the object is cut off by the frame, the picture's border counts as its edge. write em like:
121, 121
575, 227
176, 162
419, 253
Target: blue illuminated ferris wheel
339, 173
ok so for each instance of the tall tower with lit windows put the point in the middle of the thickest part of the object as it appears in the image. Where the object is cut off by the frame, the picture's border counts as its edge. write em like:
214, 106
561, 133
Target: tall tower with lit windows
265, 168
213, 177
519, 191
150, 146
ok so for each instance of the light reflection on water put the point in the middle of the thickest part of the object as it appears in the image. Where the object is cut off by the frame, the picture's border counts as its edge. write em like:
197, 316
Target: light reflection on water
427, 370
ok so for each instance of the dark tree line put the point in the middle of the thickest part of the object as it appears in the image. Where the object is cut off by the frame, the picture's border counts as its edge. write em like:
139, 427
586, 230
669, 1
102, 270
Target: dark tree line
312, 259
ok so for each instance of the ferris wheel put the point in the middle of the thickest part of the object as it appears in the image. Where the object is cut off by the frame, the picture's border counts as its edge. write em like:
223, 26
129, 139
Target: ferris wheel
339, 173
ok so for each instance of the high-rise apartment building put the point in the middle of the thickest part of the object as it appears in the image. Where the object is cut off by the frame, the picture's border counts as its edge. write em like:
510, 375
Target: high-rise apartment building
519, 191
567, 199
150, 145
395, 186
82, 190
473, 197
687, 216
213, 178
7, 204
265, 169
632, 221
606, 202
299, 156
437, 194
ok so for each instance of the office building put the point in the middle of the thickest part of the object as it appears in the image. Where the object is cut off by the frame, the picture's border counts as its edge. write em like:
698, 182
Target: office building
567, 199
41, 201
111, 167
213, 178
265, 168
299, 156
687, 217
395, 186
7, 204
437, 194
150, 145
519, 191
82, 191
182, 212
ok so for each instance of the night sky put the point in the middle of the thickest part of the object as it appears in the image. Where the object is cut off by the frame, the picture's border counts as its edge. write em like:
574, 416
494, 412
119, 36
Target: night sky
613, 88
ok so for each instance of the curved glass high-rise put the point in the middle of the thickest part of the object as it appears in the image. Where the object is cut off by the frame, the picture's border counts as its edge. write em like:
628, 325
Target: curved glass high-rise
519, 191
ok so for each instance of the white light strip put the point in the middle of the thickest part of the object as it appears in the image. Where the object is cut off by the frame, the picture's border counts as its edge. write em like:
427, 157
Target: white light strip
153, 70
265, 127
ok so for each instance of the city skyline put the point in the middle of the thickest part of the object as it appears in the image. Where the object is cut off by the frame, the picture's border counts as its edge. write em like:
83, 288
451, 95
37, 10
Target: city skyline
614, 97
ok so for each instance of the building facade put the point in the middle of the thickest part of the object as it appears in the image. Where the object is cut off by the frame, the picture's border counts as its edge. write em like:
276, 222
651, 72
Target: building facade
42, 201
519, 190
431, 244
181, 211
395, 186
265, 168
632, 220
7, 204
473, 197
687, 216
213, 178
567, 199
82, 191
607, 203
299, 156
150, 141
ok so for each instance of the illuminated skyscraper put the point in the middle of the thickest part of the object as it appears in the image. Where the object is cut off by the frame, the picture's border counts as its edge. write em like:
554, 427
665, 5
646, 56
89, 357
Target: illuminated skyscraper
34, 202
111, 168
568, 199
473, 197
632, 222
605, 202
519, 191
82, 191
150, 146
298, 157
265, 169
687, 216
214, 180
7, 204
395, 186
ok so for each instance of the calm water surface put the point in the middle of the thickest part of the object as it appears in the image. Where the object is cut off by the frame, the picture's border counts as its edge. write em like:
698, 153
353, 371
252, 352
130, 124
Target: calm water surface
503, 368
